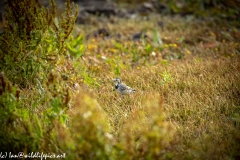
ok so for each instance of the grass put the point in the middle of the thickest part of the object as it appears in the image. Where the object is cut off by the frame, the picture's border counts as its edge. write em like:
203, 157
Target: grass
199, 88
200, 102
199, 91
187, 102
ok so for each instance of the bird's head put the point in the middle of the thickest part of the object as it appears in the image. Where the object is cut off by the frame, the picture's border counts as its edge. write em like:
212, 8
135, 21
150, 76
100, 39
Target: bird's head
118, 80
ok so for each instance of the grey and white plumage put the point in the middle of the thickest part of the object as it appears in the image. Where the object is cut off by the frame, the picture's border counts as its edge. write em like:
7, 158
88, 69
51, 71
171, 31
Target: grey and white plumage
122, 88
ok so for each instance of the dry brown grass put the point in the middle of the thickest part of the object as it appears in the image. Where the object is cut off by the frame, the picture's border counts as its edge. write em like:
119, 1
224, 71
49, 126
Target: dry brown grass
201, 101
200, 96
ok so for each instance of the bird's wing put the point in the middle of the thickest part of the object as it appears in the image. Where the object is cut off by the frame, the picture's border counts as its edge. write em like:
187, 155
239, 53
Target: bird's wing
124, 87
129, 88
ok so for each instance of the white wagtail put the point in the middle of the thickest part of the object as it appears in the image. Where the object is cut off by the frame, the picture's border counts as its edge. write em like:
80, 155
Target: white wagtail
122, 88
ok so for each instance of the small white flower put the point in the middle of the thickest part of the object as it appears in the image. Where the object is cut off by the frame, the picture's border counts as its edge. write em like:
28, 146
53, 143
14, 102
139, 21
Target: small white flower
153, 54
104, 57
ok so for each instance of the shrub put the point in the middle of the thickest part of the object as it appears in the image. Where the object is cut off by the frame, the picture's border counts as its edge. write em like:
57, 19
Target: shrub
33, 38
32, 128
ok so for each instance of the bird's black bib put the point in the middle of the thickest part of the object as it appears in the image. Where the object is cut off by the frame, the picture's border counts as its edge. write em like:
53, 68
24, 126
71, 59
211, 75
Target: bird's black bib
116, 86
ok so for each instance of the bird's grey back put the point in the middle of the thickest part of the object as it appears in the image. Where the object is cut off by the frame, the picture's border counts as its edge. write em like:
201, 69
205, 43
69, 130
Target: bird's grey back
122, 87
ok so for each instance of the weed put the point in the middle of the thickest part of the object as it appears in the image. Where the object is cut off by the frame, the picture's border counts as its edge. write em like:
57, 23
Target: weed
75, 46
33, 38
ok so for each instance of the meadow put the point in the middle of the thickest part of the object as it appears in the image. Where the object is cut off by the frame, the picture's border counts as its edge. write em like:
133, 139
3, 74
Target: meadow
186, 105
193, 78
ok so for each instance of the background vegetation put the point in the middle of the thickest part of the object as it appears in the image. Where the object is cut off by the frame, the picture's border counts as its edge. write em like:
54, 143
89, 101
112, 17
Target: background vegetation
56, 91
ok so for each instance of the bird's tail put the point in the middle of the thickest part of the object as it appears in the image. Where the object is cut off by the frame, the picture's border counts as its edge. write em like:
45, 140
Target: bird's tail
133, 90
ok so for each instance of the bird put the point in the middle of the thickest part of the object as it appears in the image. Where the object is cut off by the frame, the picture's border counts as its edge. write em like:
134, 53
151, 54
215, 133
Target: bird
122, 88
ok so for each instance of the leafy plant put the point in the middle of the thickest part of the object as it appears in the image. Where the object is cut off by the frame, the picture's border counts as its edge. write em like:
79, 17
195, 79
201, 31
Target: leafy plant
157, 40
121, 47
33, 38
15, 120
75, 46
166, 77
26, 130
